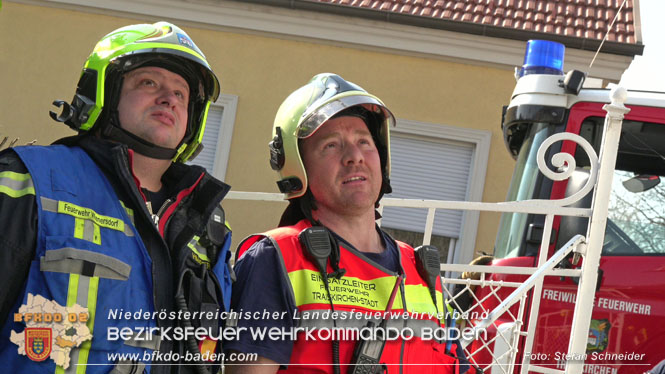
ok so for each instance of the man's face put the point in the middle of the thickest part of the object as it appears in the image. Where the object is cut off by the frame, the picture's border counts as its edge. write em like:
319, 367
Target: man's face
343, 166
153, 105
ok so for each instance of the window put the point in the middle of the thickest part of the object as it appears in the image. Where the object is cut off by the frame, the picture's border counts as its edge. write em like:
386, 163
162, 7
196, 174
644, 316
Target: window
217, 137
438, 162
636, 219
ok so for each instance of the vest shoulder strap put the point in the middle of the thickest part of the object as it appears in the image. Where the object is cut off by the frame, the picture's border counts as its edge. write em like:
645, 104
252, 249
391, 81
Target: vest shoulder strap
278, 234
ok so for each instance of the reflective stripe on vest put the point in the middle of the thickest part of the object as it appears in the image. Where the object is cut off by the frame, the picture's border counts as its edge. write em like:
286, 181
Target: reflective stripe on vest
82, 291
363, 291
16, 184
87, 221
129, 211
199, 252
321, 319
370, 294
88, 254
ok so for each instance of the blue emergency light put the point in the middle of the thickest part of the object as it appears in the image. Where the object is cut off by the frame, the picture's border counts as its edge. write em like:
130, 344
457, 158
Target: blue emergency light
543, 57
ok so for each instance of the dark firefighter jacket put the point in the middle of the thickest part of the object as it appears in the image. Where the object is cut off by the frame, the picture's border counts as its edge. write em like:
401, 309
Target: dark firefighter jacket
179, 259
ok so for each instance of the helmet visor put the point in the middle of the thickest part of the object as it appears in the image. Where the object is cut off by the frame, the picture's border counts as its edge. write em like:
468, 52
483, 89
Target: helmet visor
312, 123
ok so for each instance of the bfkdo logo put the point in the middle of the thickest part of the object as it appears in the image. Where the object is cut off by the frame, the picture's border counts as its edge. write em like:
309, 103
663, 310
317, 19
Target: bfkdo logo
50, 317
51, 330
38, 343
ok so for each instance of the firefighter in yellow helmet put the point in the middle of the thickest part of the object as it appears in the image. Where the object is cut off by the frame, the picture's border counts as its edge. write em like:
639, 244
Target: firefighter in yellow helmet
328, 266
112, 223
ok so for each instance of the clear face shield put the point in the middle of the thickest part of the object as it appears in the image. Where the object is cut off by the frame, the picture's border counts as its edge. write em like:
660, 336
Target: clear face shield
328, 98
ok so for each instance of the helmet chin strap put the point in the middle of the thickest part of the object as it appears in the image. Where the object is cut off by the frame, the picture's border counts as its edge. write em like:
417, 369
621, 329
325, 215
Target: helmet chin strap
114, 132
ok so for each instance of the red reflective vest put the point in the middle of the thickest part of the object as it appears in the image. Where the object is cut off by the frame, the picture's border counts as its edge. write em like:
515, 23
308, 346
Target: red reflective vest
361, 294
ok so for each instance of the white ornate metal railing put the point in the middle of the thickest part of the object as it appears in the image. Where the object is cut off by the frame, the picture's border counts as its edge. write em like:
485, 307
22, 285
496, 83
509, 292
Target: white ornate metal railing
502, 344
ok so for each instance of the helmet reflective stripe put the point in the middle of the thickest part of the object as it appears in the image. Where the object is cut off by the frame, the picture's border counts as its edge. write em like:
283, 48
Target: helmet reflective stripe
309, 107
130, 47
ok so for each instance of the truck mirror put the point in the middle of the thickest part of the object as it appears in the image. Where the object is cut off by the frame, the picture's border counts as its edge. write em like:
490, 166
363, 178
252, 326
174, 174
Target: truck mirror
573, 81
641, 183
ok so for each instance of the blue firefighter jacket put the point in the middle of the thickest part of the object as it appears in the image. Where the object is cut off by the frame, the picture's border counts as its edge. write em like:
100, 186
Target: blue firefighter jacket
90, 259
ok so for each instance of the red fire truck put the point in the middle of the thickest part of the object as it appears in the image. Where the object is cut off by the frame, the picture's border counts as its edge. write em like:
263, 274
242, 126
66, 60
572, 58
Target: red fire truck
627, 331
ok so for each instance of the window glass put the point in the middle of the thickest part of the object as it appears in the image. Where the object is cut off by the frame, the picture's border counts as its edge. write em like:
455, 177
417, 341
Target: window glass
636, 220
522, 186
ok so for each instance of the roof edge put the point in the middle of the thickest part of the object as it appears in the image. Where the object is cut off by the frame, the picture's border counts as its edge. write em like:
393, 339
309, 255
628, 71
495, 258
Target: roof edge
251, 17
616, 48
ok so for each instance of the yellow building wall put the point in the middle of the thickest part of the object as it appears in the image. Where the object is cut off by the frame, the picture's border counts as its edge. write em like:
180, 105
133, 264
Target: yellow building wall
43, 50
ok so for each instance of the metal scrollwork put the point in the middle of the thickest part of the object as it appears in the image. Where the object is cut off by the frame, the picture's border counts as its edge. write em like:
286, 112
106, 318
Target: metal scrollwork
567, 162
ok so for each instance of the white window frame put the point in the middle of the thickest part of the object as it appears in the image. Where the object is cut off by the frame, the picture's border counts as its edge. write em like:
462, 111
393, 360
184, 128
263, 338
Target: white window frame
228, 103
481, 139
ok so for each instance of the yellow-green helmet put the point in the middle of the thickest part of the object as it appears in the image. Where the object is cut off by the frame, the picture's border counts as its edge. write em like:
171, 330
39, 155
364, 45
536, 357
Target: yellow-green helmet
161, 44
309, 107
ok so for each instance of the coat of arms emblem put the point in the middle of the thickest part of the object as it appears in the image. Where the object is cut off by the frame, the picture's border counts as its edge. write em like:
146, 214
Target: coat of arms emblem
38, 343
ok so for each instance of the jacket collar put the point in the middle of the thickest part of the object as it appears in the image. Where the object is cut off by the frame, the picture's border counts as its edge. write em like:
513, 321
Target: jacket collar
177, 177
